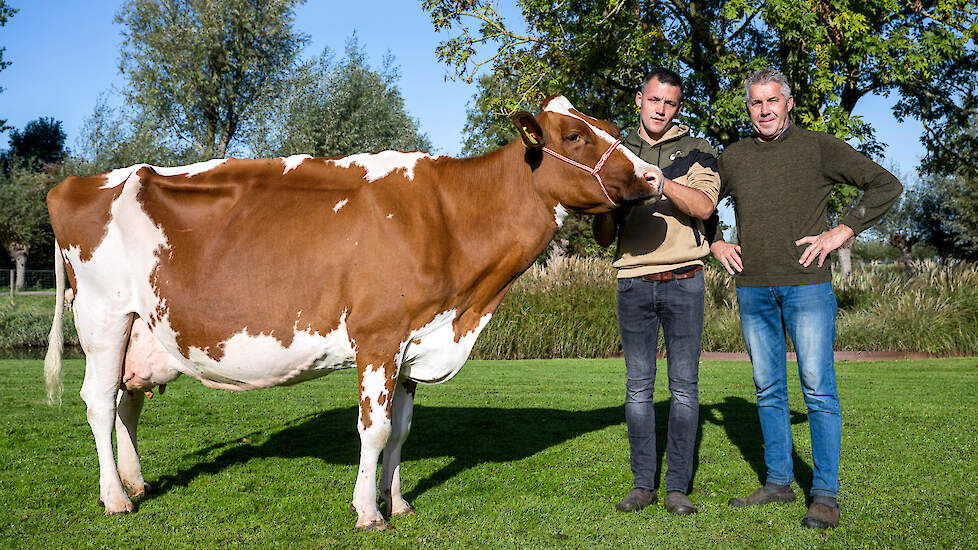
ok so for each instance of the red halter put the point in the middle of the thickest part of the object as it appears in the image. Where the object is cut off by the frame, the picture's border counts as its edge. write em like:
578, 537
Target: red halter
592, 171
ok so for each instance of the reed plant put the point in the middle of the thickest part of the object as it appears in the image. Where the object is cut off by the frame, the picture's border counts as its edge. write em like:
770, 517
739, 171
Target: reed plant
567, 308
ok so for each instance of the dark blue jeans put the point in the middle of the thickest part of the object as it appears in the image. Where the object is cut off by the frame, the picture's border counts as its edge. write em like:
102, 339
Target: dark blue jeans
807, 313
677, 306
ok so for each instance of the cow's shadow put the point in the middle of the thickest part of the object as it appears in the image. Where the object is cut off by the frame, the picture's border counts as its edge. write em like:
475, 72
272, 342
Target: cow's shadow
470, 436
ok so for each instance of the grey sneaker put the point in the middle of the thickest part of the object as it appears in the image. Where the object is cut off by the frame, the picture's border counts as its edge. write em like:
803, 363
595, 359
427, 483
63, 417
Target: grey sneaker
679, 504
765, 495
635, 500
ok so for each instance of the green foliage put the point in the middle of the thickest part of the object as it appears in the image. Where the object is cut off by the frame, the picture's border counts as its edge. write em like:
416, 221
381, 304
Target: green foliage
487, 125
874, 250
6, 12
42, 141
113, 138
327, 109
946, 215
902, 226
200, 66
25, 321
834, 53
515, 454
24, 216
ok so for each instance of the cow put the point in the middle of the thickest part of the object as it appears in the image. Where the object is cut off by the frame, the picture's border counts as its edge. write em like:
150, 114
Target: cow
248, 274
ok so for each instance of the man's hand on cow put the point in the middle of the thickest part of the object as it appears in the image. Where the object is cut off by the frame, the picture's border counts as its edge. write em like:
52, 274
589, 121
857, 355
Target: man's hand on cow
729, 256
820, 245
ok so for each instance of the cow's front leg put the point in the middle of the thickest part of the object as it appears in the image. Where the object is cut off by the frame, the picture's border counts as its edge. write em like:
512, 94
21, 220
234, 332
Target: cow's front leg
130, 404
377, 381
390, 477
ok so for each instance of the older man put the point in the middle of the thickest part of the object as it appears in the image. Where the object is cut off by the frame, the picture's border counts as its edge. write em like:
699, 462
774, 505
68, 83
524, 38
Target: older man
660, 281
780, 180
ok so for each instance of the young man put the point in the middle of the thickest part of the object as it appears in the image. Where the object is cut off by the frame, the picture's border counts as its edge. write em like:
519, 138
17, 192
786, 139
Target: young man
780, 181
660, 281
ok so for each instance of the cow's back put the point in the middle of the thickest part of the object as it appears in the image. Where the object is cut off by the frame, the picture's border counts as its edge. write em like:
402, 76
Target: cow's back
80, 212
264, 249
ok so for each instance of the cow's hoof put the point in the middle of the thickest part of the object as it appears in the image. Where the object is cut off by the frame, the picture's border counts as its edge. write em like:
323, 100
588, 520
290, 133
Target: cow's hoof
407, 510
352, 509
139, 491
376, 525
125, 507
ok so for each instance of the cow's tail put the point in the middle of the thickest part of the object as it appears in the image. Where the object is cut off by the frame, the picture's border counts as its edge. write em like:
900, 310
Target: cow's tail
52, 361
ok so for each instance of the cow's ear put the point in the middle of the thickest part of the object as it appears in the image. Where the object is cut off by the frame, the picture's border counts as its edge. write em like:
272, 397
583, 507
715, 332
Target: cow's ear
530, 131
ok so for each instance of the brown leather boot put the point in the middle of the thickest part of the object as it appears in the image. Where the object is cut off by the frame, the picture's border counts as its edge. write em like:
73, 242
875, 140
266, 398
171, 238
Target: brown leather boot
767, 494
636, 499
679, 504
822, 514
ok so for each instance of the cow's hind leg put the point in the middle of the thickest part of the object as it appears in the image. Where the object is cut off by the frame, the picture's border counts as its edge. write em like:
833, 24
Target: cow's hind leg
377, 380
390, 477
130, 404
103, 338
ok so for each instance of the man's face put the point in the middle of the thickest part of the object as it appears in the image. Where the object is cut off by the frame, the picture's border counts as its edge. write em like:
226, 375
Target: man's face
658, 104
768, 109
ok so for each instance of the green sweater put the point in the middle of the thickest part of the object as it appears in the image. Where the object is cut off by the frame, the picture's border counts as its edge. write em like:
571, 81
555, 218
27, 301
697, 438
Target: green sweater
780, 190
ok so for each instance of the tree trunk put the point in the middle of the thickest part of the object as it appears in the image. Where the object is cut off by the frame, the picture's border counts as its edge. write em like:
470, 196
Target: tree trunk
902, 243
18, 253
557, 249
845, 257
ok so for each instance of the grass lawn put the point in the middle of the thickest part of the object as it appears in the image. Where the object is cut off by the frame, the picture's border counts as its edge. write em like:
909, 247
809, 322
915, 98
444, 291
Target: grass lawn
510, 454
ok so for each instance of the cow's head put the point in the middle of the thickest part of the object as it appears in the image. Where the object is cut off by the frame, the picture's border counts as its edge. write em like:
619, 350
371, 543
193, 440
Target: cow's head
579, 161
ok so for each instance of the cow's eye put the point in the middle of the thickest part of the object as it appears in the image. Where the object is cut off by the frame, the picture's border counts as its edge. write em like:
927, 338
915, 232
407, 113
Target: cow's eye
573, 137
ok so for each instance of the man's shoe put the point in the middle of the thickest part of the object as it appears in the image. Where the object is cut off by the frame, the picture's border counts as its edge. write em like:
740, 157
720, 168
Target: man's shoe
635, 500
765, 495
822, 514
679, 504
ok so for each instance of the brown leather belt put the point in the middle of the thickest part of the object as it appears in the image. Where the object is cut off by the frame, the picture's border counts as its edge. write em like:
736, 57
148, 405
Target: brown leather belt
670, 275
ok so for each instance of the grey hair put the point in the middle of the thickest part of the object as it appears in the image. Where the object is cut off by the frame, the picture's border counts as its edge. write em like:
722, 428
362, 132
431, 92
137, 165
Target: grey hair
761, 76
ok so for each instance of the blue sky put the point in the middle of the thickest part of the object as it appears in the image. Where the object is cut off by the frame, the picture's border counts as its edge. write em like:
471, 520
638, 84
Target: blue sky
65, 53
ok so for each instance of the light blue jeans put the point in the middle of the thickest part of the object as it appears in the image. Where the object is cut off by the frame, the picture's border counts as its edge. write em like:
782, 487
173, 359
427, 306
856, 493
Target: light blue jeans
807, 313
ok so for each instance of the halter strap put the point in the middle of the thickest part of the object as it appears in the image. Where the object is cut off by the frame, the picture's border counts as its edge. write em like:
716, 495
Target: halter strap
592, 171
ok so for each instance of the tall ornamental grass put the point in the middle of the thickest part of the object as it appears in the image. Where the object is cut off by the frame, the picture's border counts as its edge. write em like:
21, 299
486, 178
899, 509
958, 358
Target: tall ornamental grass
567, 308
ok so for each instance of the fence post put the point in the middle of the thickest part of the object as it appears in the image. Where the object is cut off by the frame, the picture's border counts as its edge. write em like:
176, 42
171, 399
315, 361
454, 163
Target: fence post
12, 283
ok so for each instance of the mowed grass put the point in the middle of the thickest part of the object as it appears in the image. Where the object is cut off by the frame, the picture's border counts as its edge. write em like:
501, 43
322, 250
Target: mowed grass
509, 454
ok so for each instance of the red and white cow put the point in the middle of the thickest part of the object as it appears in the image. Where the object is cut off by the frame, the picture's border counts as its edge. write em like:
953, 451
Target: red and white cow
258, 273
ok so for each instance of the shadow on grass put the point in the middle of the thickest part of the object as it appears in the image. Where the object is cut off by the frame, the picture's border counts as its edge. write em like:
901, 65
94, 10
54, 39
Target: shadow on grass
469, 435
475, 435
738, 418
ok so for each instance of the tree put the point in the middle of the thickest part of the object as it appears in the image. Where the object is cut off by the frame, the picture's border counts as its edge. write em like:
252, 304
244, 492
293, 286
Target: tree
24, 220
834, 53
901, 226
113, 138
41, 142
939, 211
948, 215
328, 110
200, 66
487, 124
6, 13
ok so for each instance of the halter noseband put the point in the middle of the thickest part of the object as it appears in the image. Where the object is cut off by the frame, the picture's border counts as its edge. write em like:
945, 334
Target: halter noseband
592, 171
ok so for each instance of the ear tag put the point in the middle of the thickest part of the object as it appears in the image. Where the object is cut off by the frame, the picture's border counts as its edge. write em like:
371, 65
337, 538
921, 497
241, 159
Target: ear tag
526, 132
